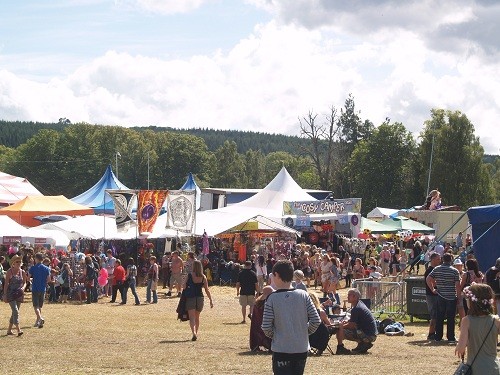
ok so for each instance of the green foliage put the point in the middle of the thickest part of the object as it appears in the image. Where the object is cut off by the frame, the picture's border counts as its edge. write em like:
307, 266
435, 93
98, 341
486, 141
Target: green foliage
381, 167
230, 166
457, 168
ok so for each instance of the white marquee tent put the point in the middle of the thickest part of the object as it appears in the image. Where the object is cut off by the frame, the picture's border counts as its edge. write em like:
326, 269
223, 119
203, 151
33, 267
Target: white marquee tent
267, 203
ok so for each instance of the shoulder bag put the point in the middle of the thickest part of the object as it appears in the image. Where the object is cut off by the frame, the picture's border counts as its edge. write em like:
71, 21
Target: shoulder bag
466, 369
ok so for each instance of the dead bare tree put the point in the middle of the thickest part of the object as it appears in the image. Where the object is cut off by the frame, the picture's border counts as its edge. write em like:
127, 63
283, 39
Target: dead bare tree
321, 146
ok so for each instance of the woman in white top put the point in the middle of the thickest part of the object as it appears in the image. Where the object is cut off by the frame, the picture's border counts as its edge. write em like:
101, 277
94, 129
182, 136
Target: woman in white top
326, 273
261, 271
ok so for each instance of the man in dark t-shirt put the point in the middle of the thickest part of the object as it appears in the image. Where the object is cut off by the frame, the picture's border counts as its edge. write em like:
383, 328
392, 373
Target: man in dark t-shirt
361, 327
492, 278
245, 289
430, 296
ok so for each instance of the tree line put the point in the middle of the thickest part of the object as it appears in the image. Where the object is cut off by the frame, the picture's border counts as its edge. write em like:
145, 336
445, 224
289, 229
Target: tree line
337, 152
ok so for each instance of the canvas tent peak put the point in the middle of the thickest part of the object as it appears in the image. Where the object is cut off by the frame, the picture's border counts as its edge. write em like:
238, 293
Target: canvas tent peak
96, 195
403, 223
25, 210
375, 227
190, 184
381, 213
13, 189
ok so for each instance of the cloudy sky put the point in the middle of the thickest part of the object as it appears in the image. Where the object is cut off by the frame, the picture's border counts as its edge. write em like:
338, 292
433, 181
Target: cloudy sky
250, 64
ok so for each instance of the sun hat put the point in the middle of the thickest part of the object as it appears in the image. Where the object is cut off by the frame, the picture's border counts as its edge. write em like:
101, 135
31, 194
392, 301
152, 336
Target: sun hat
457, 262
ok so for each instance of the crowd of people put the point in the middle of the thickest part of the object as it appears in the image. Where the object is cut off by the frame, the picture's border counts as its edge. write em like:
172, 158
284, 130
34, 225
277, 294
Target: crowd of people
275, 293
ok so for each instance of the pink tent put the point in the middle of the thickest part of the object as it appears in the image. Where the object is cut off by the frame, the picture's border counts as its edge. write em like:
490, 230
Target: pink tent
13, 189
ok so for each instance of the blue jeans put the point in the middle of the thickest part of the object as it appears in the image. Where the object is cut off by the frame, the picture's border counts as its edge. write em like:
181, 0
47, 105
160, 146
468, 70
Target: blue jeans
132, 286
446, 309
148, 292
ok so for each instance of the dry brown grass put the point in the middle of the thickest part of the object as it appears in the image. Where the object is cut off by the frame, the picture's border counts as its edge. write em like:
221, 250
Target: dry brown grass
108, 338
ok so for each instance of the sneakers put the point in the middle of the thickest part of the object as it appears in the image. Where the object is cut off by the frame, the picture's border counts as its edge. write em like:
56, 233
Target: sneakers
362, 348
41, 323
36, 324
341, 349
169, 294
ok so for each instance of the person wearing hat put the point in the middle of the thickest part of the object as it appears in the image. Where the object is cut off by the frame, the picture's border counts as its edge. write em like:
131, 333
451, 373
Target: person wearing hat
13, 292
492, 278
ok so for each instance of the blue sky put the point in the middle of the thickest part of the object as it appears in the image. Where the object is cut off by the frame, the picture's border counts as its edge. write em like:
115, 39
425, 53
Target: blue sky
249, 64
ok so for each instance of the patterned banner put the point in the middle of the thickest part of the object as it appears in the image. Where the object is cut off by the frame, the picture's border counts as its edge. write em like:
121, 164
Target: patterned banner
181, 211
323, 207
148, 209
124, 201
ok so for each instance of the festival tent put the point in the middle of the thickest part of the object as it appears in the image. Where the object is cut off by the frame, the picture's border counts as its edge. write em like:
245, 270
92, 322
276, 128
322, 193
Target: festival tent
90, 226
267, 203
402, 223
485, 221
380, 213
25, 210
376, 227
96, 195
190, 184
13, 189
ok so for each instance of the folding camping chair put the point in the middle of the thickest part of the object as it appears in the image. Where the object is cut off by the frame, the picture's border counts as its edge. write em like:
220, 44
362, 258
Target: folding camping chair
319, 341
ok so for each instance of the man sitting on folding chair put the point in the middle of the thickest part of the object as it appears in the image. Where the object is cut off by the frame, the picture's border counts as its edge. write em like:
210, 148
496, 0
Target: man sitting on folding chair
361, 326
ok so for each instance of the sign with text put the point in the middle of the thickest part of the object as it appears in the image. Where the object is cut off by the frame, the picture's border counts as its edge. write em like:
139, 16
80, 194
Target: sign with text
9, 240
322, 207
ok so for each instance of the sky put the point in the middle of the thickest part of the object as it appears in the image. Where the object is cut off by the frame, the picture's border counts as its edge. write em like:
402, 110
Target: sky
252, 65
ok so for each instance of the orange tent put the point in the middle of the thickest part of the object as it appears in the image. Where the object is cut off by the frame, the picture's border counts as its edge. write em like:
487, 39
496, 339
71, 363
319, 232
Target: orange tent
25, 210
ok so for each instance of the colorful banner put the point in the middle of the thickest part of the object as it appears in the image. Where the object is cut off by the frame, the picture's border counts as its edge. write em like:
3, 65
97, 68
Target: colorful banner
124, 201
148, 208
322, 207
181, 210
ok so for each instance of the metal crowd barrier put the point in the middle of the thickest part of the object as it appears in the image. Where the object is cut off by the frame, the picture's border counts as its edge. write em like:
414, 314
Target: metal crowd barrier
383, 297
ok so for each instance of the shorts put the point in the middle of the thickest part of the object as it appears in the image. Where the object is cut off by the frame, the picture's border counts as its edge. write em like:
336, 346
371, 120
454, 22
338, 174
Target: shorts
358, 336
37, 298
432, 306
176, 278
247, 300
325, 277
194, 303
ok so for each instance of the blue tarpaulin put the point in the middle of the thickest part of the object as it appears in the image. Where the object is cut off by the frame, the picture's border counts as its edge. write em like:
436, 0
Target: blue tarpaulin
485, 221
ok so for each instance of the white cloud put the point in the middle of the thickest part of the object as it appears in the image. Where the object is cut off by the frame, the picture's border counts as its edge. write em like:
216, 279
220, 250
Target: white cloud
163, 6
269, 79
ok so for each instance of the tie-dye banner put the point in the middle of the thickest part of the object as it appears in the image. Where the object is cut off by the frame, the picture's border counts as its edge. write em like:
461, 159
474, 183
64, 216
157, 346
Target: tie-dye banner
124, 201
181, 210
148, 209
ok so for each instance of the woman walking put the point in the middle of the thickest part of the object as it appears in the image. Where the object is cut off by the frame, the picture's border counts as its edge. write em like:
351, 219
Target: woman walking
13, 292
131, 281
479, 331
152, 280
261, 271
195, 283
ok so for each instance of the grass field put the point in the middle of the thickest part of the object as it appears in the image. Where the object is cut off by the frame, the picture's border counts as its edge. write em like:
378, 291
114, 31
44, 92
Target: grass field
107, 338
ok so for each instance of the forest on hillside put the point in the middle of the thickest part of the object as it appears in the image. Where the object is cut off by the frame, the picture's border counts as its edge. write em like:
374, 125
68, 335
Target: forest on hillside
342, 153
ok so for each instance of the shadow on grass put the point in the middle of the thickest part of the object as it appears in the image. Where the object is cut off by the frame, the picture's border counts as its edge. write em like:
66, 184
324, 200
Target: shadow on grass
174, 341
233, 324
254, 352
431, 343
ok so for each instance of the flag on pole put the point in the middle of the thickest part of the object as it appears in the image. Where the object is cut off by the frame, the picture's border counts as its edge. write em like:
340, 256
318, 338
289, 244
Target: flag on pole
148, 209
181, 210
124, 201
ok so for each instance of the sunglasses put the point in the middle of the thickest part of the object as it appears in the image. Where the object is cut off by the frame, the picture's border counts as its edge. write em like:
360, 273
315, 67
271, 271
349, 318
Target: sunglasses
17, 261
